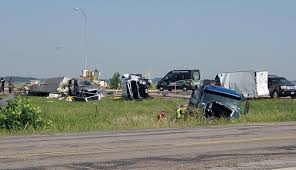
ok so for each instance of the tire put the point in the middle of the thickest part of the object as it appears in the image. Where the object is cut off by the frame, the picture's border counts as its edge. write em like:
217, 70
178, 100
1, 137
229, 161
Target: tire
160, 88
274, 94
184, 88
293, 96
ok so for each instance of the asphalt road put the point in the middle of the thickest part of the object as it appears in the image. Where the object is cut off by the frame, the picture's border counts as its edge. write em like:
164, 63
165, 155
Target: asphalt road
264, 146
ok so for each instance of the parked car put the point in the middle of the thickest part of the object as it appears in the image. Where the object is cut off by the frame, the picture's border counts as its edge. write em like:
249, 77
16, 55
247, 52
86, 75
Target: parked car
280, 87
179, 79
217, 102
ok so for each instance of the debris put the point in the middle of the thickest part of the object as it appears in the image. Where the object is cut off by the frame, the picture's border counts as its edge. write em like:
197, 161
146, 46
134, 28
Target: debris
50, 85
61, 87
117, 98
54, 95
69, 99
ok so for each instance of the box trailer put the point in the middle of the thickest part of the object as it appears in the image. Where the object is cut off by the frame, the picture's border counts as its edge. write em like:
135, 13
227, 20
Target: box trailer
252, 84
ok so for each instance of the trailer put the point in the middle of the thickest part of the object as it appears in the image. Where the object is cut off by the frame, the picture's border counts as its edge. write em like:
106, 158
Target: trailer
251, 84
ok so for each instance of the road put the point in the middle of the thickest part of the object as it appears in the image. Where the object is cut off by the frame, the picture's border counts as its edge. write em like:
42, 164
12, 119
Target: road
256, 146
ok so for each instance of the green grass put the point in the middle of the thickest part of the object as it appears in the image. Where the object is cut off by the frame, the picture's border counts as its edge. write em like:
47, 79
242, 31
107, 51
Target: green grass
270, 110
108, 114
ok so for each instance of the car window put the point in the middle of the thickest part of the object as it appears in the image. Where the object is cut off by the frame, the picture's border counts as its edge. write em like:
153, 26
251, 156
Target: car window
284, 81
84, 83
273, 81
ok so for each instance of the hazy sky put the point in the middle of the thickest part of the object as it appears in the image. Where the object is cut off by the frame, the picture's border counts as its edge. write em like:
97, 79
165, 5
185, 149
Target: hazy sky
42, 38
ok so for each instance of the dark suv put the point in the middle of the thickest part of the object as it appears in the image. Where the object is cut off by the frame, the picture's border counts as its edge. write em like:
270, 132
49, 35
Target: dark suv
280, 87
179, 79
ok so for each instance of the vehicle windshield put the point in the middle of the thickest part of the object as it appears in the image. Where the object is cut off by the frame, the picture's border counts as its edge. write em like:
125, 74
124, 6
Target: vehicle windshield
210, 96
84, 83
196, 76
284, 81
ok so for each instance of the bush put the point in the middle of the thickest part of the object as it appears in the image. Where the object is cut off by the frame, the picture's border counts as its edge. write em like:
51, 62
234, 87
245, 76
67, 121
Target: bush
21, 114
152, 87
115, 81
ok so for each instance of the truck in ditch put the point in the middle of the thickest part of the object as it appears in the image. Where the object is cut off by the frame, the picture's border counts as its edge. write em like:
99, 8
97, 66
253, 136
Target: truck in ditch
217, 102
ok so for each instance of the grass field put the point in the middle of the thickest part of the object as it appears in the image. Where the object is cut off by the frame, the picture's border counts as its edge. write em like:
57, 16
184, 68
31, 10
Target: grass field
108, 114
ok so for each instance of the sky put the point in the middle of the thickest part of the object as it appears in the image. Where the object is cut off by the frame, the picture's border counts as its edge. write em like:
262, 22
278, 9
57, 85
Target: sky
40, 38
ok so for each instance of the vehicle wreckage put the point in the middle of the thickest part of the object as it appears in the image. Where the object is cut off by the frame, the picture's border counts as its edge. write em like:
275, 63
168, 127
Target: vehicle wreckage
134, 87
218, 102
61, 87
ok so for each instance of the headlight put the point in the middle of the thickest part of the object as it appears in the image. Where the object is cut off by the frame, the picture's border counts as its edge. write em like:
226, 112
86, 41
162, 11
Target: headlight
284, 87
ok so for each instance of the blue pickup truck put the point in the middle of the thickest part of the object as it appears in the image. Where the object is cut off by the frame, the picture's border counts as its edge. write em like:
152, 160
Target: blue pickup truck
217, 102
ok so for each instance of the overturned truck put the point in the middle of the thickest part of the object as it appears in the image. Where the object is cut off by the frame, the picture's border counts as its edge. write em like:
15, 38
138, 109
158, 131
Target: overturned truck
134, 87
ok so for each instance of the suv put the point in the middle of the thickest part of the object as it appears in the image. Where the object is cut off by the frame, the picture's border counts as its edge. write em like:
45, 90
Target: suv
280, 87
179, 79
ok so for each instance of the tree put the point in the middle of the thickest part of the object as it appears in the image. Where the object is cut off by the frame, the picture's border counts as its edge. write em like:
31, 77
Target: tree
115, 80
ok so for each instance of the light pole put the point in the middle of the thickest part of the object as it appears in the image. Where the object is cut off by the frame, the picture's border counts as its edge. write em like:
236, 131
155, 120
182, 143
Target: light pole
85, 42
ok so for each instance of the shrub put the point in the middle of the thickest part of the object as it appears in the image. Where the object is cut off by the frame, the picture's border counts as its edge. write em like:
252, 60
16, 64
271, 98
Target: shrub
21, 114
115, 81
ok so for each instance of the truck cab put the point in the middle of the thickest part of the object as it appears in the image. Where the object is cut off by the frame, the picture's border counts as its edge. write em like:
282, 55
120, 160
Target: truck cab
217, 102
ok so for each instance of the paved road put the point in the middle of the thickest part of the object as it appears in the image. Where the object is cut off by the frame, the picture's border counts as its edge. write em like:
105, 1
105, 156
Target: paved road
264, 146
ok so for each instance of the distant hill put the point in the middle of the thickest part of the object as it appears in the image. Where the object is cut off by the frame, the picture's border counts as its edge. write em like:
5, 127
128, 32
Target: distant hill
20, 79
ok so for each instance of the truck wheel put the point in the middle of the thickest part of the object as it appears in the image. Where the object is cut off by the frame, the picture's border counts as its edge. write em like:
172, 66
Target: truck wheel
161, 88
293, 96
274, 94
184, 88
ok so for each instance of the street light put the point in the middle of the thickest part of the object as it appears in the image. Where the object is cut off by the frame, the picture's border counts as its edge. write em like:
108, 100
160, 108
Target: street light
84, 14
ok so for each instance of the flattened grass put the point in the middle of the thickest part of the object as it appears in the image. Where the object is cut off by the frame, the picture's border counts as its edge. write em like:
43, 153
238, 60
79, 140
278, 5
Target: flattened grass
108, 114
